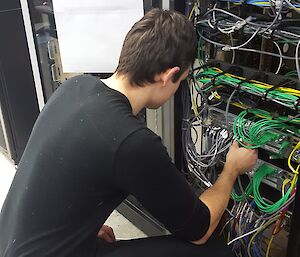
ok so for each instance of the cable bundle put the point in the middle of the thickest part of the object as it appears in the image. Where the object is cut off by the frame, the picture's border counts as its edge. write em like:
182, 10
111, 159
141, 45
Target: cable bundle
253, 191
264, 3
252, 214
228, 29
218, 138
255, 132
262, 205
221, 28
213, 77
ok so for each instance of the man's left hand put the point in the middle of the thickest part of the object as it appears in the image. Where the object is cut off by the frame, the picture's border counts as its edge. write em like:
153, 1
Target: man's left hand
107, 234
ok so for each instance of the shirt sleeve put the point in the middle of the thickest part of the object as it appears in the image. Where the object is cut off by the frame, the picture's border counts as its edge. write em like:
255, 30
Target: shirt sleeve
145, 170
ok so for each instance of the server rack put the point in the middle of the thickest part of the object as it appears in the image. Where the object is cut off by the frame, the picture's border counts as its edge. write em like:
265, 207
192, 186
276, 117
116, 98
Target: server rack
259, 68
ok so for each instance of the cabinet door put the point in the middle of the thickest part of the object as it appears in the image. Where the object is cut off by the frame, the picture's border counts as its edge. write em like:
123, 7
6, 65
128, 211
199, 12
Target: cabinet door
6, 5
44, 31
17, 89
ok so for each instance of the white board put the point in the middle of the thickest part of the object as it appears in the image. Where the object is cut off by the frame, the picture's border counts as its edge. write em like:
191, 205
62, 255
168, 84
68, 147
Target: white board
91, 32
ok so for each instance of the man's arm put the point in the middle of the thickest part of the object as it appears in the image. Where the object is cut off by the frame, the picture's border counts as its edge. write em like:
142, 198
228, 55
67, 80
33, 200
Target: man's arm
238, 161
144, 169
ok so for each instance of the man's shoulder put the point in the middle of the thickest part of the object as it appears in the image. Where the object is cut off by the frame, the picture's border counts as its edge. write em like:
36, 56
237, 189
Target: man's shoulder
142, 139
80, 79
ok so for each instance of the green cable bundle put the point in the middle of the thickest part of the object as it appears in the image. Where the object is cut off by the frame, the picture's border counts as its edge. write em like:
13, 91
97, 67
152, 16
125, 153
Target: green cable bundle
213, 77
261, 173
248, 192
254, 132
253, 189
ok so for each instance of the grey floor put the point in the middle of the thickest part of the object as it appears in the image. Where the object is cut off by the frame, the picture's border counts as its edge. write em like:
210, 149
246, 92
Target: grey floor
123, 228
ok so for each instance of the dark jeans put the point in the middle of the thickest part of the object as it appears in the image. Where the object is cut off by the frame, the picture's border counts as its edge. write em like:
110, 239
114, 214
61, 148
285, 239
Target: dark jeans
163, 246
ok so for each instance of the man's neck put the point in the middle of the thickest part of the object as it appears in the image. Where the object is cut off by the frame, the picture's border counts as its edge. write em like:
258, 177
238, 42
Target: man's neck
137, 95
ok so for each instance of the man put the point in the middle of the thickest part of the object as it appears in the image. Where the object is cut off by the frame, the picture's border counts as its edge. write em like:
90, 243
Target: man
88, 152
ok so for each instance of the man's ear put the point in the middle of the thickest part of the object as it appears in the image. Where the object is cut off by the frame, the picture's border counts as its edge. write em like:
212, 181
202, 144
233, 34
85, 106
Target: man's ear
169, 74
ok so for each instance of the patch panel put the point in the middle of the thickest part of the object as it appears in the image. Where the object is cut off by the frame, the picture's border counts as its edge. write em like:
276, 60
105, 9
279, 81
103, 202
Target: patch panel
276, 180
280, 147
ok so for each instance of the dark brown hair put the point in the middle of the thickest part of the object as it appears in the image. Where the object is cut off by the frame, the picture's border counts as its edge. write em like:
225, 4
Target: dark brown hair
160, 40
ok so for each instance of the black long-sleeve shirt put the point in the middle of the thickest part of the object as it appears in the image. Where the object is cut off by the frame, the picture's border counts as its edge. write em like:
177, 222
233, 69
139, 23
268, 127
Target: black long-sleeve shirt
86, 154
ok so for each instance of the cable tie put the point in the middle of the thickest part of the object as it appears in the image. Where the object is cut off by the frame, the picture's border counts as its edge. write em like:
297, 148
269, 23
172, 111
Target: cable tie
213, 79
184, 124
216, 76
226, 48
240, 24
271, 35
247, 111
296, 104
212, 95
265, 94
238, 85
278, 4
224, 134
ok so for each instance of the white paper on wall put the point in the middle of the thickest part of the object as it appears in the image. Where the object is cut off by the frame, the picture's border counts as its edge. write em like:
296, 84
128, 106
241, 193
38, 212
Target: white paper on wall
91, 32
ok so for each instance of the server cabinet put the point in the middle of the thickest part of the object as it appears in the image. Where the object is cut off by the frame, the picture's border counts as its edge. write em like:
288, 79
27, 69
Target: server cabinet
216, 105
18, 99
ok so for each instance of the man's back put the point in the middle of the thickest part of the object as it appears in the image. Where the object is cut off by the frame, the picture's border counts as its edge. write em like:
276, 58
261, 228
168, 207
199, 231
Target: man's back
64, 188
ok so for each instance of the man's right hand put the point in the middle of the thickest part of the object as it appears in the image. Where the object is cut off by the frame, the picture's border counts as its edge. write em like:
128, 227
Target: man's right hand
240, 159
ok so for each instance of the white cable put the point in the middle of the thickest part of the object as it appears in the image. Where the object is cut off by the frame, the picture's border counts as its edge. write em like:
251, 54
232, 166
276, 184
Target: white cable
241, 217
250, 50
290, 33
224, 31
227, 30
206, 183
297, 59
279, 6
291, 5
228, 47
247, 234
214, 14
233, 51
234, 16
210, 24
281, 59
227, 108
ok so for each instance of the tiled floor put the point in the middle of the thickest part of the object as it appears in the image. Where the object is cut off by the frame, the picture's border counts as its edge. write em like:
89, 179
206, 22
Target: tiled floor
7, 172
123, 228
